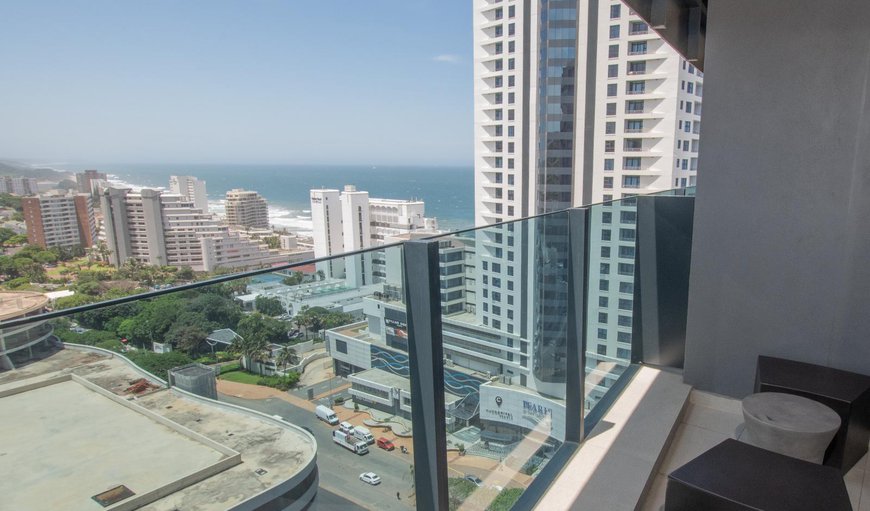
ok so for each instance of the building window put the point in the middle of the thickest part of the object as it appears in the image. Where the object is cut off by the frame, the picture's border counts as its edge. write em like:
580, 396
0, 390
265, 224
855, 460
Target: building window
608, 164
623, 337
636, 68
625, 304
626, 287
512, 29
611, 90
610, 128
611, 108
626, 252
614, 11
628, 217
511, 64
512, 11
608, 182
613, 70
631, 181
613, 51
623, 353
605, 252
609, 146
603, 285
341, 346
511, 80
631, 163
604, 269
603, 301
637, 48
605, 235
602, 317
614, 31
602, 348
606, 218
623, 320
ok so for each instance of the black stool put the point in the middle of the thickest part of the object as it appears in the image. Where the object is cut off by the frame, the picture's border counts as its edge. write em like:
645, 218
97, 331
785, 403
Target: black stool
734, 476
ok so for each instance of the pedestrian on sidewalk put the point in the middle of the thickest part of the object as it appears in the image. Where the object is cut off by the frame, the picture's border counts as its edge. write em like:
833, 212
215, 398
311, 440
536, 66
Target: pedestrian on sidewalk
398, 497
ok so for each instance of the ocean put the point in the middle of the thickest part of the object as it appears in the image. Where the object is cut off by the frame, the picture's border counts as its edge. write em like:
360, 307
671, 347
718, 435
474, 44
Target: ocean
447, 191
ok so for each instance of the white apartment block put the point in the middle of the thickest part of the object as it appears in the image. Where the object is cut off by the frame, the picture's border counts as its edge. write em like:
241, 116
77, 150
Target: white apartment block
350, 220
192, 189
574, 103
246, 209
160, 228
19, 185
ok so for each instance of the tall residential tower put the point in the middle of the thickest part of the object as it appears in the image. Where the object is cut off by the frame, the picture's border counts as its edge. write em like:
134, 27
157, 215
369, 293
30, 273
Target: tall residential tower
576, 102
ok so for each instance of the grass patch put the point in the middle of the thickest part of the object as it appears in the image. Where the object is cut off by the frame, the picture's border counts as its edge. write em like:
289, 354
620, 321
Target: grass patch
240, 376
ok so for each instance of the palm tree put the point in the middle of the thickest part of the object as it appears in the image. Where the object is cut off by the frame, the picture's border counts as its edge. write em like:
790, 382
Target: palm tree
286, 356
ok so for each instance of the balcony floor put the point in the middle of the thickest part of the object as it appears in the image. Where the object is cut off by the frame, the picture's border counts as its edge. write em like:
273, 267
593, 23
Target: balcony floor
710, 419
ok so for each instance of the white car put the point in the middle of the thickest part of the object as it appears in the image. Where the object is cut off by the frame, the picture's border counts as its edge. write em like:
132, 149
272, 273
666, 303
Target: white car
370, 477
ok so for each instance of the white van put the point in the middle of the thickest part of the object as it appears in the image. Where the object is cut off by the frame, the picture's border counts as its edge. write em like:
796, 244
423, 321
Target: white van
363, 434
326, 414
346, 427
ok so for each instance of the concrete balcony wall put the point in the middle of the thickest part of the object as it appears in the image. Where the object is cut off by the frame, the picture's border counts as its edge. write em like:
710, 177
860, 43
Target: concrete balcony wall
779, 262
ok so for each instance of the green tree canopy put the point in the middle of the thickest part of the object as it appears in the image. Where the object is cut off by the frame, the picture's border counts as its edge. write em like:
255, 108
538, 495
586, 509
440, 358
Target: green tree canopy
269, 306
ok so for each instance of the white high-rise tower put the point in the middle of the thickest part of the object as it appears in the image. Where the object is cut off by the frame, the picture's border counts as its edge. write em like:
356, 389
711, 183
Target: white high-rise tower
576, 102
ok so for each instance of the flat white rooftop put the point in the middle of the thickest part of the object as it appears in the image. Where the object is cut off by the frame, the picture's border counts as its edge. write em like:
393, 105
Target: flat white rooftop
73, 443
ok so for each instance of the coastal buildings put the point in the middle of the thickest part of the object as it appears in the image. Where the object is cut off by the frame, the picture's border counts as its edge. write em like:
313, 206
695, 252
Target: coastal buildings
59, 219
88, 179
246, 209
640, 104
162, 228
18, 185
192, 189
350, 220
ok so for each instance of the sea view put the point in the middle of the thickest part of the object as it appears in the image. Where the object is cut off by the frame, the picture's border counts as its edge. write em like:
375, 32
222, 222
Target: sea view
447, 191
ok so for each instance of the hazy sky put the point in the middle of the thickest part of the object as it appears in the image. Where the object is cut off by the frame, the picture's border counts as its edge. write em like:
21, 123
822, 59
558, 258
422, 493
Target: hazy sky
259, 81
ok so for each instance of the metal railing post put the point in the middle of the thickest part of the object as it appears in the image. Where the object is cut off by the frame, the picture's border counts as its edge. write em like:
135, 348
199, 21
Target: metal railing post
425, 350
576, 349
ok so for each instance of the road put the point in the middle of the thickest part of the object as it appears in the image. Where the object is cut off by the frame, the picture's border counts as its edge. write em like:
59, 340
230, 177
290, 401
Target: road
340, 468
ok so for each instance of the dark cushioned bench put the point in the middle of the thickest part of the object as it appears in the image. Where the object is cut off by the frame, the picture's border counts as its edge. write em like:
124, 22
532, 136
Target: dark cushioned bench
846, 393
734, 476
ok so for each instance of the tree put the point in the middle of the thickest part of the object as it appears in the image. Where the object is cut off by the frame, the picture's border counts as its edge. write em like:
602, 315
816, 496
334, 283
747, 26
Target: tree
253, 349
217, 308
258, 326
269, 306
159, 364
5, 234
189, 331
294, 279
286, 356
321, 275
185, 273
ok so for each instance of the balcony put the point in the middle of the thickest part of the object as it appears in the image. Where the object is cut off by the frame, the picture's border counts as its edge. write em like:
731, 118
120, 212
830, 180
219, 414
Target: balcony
476, 319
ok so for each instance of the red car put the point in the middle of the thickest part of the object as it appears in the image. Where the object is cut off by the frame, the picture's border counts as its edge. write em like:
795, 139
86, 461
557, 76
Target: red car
385, 444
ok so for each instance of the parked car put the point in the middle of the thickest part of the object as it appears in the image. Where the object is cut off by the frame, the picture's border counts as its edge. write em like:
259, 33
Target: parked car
346, 427
386, 444
474, 479
370, 478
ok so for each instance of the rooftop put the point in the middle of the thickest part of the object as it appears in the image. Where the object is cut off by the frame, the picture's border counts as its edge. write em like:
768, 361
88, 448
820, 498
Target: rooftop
97, 437
19, 303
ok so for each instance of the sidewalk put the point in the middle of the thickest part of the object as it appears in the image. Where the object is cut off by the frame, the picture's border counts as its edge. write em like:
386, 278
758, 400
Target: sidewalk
247, 391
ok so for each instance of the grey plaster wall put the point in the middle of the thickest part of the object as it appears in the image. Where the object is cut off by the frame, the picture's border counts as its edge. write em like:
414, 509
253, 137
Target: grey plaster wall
781, 249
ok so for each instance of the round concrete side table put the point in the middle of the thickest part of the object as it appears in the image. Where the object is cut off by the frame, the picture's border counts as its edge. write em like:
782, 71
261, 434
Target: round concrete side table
789, 424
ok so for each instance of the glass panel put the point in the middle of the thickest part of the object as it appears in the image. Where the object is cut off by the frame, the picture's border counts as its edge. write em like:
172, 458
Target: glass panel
321, 347
609, 305
504, 319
